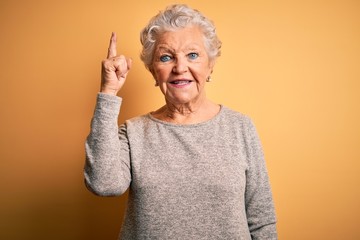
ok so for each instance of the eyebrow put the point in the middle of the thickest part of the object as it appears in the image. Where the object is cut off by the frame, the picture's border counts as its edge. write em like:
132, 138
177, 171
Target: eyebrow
163, 48
169, 49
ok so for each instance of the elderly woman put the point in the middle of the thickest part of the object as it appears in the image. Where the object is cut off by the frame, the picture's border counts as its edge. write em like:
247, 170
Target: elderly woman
194, 168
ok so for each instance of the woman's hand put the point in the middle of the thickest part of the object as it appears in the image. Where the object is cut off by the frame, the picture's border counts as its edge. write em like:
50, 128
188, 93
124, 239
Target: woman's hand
114, 69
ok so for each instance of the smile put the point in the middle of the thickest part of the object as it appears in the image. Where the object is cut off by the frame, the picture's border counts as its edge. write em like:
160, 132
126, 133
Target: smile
180, 82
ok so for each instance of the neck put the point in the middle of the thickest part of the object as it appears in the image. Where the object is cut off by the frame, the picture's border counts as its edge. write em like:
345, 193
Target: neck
187, 113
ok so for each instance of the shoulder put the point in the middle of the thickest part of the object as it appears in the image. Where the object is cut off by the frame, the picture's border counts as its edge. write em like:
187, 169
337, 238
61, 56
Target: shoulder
136, 122
231, 116
240, 123
137, 125
134, 128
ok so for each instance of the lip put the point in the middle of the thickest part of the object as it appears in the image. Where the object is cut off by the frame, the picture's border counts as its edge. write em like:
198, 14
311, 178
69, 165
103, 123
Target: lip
180, 83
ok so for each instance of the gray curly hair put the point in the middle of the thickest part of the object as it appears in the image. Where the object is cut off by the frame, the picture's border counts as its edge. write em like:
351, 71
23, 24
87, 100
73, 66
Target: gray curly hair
174, 17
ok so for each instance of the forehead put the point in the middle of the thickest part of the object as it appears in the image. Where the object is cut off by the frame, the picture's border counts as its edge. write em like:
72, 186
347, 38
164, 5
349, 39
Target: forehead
181, 39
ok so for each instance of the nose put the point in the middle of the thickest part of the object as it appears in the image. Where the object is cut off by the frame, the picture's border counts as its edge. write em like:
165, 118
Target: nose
180, 66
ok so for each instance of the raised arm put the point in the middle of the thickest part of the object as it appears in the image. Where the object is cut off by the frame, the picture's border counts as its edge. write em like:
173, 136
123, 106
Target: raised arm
107, 167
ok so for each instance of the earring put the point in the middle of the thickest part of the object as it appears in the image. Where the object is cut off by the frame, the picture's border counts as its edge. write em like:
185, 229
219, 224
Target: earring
208, 79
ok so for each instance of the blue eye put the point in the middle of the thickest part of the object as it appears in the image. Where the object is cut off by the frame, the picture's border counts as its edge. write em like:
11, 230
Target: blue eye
165, 58
193, 55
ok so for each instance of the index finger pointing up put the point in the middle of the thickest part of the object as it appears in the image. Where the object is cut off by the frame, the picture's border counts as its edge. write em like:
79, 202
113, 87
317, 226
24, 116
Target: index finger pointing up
112, 46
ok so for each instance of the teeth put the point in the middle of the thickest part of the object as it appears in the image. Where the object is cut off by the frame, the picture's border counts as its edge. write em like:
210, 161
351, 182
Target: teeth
180, 82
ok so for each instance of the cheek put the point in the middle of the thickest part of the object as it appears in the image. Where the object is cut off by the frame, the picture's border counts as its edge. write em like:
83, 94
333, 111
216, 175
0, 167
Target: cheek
155, 73
161, 74
203, 72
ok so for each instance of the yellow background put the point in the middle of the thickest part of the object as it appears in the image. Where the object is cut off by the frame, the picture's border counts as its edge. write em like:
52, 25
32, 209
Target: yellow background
293, 66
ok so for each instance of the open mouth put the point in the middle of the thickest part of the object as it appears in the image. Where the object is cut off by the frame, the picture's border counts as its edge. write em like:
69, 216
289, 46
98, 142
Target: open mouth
180, 82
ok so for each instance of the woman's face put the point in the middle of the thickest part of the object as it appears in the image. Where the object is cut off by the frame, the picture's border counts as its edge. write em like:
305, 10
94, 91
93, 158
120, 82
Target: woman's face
181, 65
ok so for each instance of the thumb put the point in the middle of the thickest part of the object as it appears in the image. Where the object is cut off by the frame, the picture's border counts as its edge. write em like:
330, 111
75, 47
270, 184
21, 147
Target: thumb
126, 67
129, 63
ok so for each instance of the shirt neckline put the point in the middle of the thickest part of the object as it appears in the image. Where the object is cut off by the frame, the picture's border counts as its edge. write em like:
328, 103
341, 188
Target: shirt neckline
187, 125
